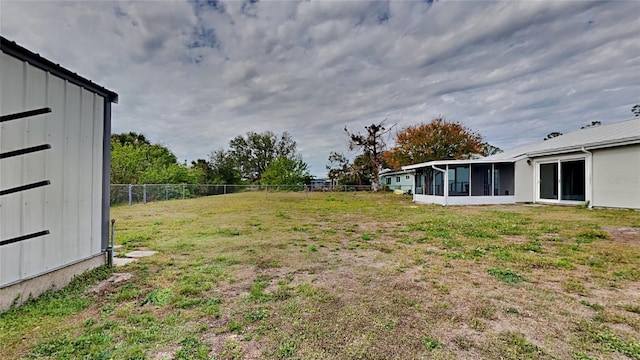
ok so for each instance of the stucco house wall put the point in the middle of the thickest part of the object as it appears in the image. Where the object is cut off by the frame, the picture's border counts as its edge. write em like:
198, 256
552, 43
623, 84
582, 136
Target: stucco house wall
616, 177
524, 188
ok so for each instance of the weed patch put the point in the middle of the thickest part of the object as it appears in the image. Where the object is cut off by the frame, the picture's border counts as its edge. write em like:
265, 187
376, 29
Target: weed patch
431, 343
514, 345
192, 349
508, 276
157, 297
287, 349
588, 236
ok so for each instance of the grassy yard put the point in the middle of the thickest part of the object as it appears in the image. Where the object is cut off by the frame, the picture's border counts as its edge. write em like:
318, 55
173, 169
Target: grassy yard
349, 276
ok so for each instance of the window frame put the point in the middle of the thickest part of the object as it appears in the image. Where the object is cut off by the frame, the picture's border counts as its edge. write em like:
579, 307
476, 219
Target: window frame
559, 181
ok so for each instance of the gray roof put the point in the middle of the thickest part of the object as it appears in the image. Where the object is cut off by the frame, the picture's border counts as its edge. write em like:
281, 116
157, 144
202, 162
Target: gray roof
597, 137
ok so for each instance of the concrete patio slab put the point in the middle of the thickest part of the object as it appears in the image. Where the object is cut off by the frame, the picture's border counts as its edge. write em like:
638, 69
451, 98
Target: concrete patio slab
140, 253
117, 261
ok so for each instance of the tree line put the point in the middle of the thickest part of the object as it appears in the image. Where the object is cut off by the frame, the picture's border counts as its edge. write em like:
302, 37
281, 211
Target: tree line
272, 159
255, 158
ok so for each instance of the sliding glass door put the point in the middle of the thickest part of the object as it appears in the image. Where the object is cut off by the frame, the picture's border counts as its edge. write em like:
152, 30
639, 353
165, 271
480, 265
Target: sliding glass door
562, 180
573, 180
549, 181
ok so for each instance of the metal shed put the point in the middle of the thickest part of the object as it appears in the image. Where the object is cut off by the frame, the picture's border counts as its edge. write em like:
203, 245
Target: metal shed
54, 174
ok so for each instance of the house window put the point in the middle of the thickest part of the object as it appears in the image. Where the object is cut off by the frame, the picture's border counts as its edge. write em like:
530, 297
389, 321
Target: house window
563, 180
572, 180
388, 180
418, 182
549, 181
434, 182
438, 183
397, 179
407, 177
481, 179
428, 181
503, 175
459, 180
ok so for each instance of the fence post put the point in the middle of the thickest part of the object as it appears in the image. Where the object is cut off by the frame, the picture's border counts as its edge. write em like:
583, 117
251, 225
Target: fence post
130, 195
166, 192
183, 185
144, 193
224, 191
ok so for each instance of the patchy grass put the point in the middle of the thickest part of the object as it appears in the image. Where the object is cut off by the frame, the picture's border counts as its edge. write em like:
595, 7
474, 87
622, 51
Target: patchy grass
349, 276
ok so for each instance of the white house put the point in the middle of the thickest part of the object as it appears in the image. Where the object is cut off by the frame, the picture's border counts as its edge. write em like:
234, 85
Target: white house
599, 166
54, 174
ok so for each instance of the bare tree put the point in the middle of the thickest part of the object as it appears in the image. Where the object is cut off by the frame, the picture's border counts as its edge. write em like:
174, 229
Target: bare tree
372, 145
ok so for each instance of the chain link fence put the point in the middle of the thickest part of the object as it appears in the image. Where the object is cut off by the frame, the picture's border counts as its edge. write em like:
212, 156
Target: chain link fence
133, 194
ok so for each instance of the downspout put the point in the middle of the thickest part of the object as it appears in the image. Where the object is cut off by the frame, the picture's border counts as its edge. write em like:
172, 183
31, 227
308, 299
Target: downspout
590, 177
445, 185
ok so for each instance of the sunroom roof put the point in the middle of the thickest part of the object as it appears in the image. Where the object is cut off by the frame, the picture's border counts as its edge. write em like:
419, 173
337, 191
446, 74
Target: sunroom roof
456, 162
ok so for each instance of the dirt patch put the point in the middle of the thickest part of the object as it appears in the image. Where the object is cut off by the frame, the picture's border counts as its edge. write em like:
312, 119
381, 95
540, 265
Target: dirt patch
164, 354
627, 235
233, 346
515, 239
106, 285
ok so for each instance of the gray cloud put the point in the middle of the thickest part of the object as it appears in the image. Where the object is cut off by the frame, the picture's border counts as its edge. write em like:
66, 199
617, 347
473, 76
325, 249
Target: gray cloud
192, 75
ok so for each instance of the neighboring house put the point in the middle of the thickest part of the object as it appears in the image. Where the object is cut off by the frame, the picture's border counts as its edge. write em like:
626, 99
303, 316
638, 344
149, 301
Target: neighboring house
397, 180
321, 184
54, 174
599, 166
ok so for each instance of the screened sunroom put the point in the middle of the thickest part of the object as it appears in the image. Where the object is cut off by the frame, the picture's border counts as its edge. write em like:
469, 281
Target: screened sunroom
464, 182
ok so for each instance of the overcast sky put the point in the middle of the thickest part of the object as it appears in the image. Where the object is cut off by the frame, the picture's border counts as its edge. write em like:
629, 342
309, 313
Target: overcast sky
194, 74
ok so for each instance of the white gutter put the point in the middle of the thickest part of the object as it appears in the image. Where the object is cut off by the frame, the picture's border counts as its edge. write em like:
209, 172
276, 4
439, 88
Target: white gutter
590, 177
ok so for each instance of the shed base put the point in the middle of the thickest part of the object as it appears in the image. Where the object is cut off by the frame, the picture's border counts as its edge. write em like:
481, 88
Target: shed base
57, 279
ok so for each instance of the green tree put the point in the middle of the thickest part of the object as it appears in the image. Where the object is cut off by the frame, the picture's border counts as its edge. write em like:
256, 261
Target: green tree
202, 168
436, 140
254, 152
286, 171
223, 168
131, 138
139, 162
488, 149
362, 171
372, 145
339, 168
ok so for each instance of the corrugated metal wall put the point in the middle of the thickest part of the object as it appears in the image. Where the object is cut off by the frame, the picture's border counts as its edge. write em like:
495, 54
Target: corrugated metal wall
71, 206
